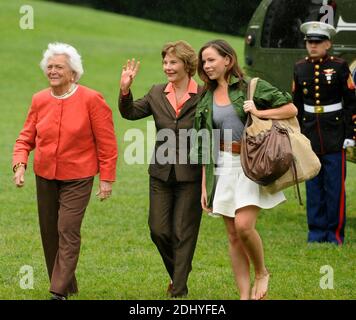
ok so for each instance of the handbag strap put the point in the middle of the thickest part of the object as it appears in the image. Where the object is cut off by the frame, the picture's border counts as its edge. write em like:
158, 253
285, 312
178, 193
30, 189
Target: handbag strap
295, 178
251, 88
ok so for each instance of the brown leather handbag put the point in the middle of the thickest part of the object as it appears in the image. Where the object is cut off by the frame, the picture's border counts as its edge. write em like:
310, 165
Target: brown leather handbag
266, 151
306, 164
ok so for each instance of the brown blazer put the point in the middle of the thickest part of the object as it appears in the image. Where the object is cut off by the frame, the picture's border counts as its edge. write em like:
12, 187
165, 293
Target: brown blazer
156, 103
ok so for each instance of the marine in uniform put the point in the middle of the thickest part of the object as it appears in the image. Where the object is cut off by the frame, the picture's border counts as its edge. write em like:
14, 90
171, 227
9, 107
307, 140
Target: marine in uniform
324, 93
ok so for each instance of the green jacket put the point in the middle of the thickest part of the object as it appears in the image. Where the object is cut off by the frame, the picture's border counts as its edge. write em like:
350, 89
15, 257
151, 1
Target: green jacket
266, 96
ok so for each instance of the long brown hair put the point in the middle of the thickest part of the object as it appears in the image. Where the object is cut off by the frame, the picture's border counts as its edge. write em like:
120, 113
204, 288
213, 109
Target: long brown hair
224, 49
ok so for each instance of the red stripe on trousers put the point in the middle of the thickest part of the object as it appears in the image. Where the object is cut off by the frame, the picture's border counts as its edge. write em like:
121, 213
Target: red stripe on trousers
342, 200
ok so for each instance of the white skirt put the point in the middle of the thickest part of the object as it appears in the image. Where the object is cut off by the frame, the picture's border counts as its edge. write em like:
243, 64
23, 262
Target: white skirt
233, 190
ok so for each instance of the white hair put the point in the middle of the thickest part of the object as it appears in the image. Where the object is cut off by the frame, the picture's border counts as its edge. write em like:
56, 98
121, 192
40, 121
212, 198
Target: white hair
74, 59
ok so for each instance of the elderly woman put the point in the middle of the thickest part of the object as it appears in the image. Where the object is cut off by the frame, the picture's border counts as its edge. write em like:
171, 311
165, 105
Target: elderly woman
175, 211
71, 128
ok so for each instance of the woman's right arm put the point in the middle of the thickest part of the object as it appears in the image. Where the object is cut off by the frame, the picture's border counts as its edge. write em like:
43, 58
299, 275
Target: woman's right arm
204, 196
25, 143
129, 109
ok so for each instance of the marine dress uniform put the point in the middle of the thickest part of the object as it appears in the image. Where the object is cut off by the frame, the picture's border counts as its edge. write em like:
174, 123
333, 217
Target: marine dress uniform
324, 93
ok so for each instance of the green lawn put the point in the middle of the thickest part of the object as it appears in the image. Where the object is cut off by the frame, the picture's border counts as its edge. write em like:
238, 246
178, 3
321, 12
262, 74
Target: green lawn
118, 259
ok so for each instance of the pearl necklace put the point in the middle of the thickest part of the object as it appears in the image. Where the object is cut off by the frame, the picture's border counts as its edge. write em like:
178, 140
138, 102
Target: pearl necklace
71, 90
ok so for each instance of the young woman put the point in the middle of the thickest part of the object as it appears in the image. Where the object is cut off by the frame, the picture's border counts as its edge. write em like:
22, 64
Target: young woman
226, 191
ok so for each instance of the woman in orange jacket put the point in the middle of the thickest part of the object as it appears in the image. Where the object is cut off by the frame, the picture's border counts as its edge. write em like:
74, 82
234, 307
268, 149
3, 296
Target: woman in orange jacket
71, 129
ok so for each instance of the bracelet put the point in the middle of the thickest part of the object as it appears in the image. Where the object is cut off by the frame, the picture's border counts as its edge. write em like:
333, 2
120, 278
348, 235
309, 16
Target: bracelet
18, 165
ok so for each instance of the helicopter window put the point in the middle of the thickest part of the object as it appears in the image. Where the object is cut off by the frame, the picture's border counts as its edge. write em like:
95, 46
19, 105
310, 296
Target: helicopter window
283, 19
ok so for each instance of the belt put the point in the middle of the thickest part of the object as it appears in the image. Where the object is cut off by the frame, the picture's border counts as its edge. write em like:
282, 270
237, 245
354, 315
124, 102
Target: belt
233, 147
323, 109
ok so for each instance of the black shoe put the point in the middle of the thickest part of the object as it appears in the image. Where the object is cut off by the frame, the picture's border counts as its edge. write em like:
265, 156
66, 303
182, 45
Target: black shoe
56, 296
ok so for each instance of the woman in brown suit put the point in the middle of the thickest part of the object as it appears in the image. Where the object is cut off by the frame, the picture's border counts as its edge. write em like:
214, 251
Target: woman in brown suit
175, 189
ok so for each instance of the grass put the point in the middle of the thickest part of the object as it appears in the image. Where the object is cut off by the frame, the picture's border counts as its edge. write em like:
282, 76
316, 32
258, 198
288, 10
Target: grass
118, 259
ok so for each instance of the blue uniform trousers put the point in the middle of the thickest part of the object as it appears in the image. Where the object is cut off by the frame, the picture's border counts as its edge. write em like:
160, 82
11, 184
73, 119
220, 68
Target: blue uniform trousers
326, 200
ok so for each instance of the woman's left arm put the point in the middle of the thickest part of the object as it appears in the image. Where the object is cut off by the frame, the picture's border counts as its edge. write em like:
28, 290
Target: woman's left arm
283, 112
272, 103
104, 137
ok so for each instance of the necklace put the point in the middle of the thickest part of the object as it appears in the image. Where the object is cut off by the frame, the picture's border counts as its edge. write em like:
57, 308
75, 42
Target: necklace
70, 91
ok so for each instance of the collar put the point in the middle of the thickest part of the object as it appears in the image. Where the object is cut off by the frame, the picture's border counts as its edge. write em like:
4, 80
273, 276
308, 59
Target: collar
233, 80
66, 95
320, 60
192, 87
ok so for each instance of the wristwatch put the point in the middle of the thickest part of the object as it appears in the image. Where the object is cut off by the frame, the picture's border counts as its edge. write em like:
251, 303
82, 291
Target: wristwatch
17, 165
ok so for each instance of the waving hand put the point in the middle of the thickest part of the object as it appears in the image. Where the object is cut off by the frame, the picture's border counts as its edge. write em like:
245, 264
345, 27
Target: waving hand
129, 72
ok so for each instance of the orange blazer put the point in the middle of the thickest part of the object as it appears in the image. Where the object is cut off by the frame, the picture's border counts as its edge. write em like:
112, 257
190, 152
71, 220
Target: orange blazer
73, 138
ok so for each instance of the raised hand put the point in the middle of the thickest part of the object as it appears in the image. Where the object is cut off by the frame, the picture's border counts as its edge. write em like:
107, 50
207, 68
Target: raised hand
128, 74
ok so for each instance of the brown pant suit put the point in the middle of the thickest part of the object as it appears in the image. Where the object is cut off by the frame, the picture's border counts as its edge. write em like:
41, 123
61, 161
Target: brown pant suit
175, 187
174, 220
61, 208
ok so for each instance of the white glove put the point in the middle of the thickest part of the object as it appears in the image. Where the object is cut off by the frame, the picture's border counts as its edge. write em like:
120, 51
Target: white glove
348, 143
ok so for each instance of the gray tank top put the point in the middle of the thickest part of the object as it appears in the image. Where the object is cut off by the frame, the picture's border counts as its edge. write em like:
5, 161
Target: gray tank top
226, 119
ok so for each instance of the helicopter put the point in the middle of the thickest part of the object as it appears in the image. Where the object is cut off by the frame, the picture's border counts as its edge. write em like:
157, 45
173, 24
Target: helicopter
274, 42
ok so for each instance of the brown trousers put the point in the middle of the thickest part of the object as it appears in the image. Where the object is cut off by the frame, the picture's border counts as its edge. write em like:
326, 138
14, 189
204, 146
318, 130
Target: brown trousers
61, 208
174, 221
